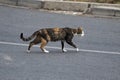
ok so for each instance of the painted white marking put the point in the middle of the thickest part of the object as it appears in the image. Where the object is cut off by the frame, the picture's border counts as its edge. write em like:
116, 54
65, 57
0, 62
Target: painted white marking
6, 57
83, 50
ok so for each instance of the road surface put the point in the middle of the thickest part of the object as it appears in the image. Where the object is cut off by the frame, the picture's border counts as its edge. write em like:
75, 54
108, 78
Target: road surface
98, 58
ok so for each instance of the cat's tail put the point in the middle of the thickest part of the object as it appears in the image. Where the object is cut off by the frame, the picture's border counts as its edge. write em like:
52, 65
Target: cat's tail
28, 38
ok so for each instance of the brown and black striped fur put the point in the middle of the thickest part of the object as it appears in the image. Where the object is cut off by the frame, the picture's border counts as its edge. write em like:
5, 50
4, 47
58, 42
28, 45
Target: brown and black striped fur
45, 35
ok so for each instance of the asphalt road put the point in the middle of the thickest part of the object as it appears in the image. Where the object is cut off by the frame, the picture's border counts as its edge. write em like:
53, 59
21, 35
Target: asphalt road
98, 58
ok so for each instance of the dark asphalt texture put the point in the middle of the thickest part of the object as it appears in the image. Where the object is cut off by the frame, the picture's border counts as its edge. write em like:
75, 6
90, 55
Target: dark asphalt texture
101, 34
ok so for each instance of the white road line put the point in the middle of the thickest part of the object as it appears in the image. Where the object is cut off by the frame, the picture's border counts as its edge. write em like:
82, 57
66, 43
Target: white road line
83, 50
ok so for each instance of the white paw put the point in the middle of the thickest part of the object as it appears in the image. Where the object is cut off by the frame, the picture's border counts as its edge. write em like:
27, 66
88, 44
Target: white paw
77, 49
64, 50
46, 51
28, 51
83, 33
